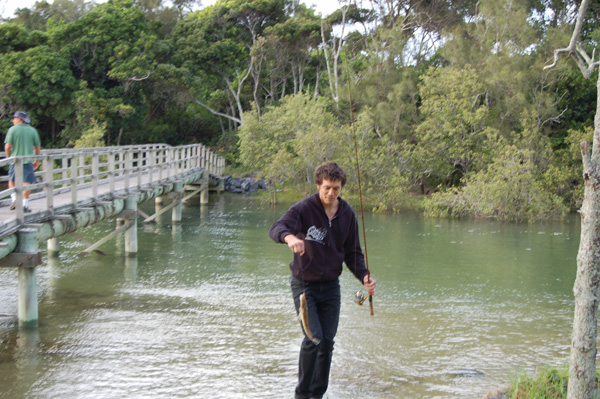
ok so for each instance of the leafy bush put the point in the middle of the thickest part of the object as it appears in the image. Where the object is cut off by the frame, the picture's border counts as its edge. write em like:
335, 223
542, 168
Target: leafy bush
289, 141
508, 189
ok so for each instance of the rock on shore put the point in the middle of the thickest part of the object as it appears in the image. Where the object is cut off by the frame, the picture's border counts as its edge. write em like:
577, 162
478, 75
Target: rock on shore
247, 184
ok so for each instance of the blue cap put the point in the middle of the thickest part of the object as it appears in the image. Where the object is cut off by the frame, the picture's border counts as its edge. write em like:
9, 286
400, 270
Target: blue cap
23, 116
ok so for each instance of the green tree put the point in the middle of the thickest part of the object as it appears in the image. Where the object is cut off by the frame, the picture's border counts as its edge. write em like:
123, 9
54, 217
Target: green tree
214, 45
393, 100
290, 57
92, 136
500, 44
516, 185
508, 189
15, 37
36, 17
453, 138
385, 173
290, 140
40, 80
109, 44
564, 173
111, 49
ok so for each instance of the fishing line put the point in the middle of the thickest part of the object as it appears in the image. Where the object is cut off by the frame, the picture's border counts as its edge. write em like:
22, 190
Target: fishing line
362, 213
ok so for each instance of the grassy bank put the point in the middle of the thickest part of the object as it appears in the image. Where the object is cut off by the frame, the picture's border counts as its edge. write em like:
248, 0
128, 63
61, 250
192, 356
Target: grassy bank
548, 383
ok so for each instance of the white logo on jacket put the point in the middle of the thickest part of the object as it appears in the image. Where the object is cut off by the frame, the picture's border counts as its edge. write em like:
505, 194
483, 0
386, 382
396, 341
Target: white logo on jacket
316, 234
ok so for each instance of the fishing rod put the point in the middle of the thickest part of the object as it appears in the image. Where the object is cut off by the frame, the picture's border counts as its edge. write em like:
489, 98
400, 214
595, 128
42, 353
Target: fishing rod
362, 213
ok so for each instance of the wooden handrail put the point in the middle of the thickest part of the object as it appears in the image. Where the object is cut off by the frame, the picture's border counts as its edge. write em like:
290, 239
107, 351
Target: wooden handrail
65, 170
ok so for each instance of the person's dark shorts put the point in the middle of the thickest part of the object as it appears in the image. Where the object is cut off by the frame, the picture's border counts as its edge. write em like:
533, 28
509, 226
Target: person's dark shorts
28, 174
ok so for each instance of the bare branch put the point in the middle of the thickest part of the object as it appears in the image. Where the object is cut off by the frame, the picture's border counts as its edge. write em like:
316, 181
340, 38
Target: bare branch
214, 112
572, 45
552, 118
557, 53
136, 79
586, 64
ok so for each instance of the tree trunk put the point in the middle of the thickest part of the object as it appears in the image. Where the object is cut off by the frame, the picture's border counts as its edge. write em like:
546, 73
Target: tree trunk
119, 137
582, 371
300, 78
294, 76
332, 70
316, 93
282, 91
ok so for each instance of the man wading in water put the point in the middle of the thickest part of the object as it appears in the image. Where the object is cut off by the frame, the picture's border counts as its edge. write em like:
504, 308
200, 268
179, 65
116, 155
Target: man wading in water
322, 232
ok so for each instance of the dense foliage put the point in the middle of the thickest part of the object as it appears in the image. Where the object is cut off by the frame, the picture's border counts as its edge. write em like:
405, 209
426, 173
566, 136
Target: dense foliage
447, 99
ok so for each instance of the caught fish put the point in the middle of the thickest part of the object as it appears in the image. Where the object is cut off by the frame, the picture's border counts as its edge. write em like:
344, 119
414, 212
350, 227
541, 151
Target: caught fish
303, 317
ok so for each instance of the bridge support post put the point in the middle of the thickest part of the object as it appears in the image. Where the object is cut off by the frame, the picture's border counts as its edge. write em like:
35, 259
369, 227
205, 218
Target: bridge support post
158, 205
131, 265
53, 246
27, 286
131, 244
176, 213
204, 193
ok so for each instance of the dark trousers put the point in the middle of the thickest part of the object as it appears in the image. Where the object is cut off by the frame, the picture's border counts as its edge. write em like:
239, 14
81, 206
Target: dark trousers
323, 301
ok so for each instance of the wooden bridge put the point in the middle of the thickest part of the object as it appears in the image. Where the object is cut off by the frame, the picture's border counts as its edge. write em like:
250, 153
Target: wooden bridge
79, 187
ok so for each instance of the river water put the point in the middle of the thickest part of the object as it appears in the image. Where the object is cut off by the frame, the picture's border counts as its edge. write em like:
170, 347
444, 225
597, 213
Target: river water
205, 310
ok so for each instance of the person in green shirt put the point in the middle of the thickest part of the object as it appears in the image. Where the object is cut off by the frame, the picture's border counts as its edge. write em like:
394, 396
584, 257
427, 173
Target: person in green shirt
22, 140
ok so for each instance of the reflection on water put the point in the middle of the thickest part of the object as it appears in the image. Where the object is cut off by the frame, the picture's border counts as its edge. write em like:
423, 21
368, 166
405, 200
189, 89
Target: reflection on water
205, 311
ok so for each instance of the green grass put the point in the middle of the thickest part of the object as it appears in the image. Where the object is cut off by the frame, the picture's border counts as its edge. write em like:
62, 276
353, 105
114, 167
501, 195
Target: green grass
548, 383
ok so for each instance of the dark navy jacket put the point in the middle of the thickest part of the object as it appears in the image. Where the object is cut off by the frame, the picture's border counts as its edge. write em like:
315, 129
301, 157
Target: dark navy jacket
327, 243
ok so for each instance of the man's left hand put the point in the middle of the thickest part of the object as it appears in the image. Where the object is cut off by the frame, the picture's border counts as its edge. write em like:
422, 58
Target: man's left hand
370, 284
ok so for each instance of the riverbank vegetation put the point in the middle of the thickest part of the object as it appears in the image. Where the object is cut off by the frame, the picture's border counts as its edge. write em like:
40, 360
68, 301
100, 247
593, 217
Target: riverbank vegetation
448, 100
548, 383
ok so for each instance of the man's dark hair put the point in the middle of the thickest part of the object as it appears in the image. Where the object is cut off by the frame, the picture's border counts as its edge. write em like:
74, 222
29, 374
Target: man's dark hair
331, 171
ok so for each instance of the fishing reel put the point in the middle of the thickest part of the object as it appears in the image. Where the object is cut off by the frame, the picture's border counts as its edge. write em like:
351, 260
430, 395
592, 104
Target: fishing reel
360, 297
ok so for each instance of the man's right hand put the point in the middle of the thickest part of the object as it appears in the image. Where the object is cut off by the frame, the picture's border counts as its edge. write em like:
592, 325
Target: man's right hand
295, 244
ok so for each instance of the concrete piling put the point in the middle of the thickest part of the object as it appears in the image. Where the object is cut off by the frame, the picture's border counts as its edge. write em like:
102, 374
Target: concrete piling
204, 193
53, 246
131, 244
177, 209
27, 285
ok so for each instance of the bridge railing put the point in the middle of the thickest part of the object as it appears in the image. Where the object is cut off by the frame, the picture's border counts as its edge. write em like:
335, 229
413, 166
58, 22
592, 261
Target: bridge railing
118, 170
